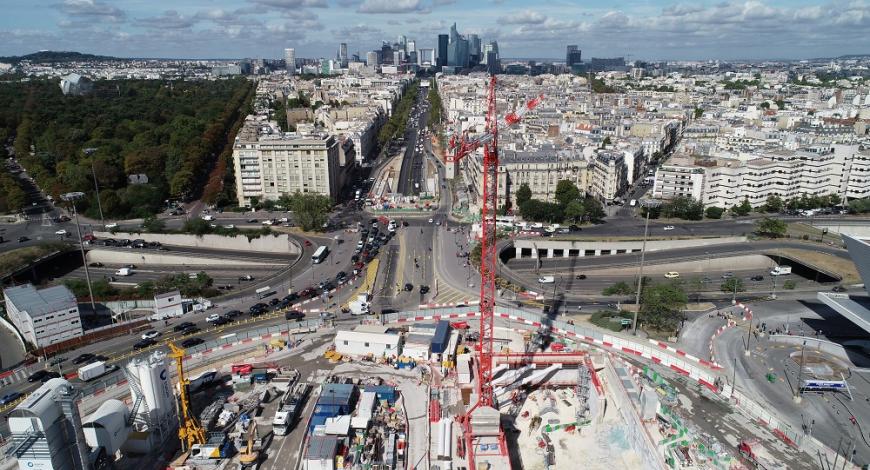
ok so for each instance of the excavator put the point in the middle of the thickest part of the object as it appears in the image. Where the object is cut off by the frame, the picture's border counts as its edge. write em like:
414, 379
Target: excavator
248, 457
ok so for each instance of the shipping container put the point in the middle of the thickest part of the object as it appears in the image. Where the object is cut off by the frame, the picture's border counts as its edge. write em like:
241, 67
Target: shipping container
442, 335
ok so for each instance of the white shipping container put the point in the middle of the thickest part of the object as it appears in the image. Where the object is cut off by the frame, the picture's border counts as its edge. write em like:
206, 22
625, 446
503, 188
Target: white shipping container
92, 370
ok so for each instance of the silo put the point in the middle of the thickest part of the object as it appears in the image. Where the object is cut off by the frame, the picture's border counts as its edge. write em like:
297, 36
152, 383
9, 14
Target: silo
156, 387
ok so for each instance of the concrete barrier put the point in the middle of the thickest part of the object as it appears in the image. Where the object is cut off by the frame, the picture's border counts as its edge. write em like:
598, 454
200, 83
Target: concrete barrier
580, 247
274, 243
121, 256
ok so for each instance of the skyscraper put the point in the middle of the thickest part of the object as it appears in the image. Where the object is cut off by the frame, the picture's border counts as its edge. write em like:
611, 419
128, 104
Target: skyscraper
386, 54
572, 56
411, 46
290, 60
372, 58
474, 52
442, 50
342, 54
457, 51
491, 58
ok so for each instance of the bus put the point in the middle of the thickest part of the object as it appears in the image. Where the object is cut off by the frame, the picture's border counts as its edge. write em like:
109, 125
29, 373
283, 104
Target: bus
320, 255
264, 292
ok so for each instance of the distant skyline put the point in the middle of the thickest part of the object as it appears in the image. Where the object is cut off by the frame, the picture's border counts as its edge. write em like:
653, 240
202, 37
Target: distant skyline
636, 29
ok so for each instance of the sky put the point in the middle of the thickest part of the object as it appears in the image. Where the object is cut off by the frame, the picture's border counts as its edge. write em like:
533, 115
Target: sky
636, 29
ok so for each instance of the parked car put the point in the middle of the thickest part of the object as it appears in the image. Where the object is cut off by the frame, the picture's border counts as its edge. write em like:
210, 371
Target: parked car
190, 330
84, 358
96, 265
22, 239
142, 344
233, 314
727, 275
150, 334
38, 376
424, 289
10, 397
294, 315
191, 342
182, 326
757, 277
214, 317
672, 274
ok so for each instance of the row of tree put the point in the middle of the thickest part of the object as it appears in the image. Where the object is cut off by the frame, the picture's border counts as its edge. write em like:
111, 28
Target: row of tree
199, 286
170, 131
570, 205
687, 208
435, 105
398, 121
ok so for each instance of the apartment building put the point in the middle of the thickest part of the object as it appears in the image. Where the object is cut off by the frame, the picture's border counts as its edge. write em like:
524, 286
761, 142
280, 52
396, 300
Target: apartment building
541, 170
272, 164
609, 176
679, 177
43, 316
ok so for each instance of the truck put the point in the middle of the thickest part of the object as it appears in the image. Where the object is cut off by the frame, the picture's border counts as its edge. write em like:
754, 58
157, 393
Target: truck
95, 369
285, 380
360, 306
290, 408
780, 270
124, 272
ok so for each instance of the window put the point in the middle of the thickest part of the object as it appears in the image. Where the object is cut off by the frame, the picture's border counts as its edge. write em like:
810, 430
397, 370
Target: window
345, 342
366, 344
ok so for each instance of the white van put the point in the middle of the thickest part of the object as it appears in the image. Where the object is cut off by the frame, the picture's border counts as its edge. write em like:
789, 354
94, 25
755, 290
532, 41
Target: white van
124, 272
780, 270
546, 279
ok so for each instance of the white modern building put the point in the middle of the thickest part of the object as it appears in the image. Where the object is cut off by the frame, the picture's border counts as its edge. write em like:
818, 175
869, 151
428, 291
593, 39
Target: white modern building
374, 340
43, 316
290, 60
679, 177
168, 305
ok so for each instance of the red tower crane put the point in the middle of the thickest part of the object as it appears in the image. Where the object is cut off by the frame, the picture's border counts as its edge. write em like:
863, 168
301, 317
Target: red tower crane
462, 147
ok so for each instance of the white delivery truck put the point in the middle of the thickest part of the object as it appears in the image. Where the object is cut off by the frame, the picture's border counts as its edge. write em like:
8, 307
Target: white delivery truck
780, 270
360, 306
92, 370
124, 272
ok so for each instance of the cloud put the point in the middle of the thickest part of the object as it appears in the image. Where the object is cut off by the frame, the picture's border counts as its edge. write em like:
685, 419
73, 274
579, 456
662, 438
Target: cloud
523, 17
391, 6
292, 4
92, 9
359, 31
170, 19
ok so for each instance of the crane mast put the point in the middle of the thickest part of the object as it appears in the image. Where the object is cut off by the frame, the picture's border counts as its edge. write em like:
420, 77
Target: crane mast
189, 430
463, 146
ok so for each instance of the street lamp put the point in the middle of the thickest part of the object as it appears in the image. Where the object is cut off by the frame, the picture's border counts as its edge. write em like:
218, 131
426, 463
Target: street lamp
797, 393
649, 204
72, 198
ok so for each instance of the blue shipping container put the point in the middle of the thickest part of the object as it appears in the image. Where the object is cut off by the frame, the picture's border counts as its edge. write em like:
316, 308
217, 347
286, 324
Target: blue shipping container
442, 336
383, 392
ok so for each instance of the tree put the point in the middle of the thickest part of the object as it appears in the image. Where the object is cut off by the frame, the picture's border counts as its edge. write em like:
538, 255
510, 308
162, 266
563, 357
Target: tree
695, 285
770, 227
780, 104
765, 105
744, 208
594, 211
661, 306
714, 212
566, 191
524, 193
196, 226
684, 208
773, 203
311, 211
575, 211
540, 211
731, 284
153, 224
620, 288
859, 206
654, 211
606, 141
699, 112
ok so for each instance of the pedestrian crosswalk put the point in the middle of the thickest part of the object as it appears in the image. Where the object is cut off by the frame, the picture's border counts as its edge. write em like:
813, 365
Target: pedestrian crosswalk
449, 295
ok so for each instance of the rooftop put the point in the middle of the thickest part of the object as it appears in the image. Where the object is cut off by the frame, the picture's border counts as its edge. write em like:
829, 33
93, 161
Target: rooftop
37, 303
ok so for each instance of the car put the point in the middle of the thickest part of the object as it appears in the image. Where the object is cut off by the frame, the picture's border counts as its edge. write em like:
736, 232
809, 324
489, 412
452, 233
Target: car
341, 276
130, 266
727, 275
354, 258
191, 342
190, 330
757, 277
233, 314
307, 243
252, 221
150, 334
546, 280
246, 277
424, 289
57, 361
182, 326
409, 287
212, 318
431, 220
668, 227
838, 289
10, 397
404, 223
84, 358
581, 276
96, 265
291, 297
275, 301
61, 232
38, 376
221, 320
22, 239
294, 315
672, 274
142, 344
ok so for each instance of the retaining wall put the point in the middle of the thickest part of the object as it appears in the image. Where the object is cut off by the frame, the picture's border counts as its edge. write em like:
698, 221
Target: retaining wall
275, 243
624, 246
118, 256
